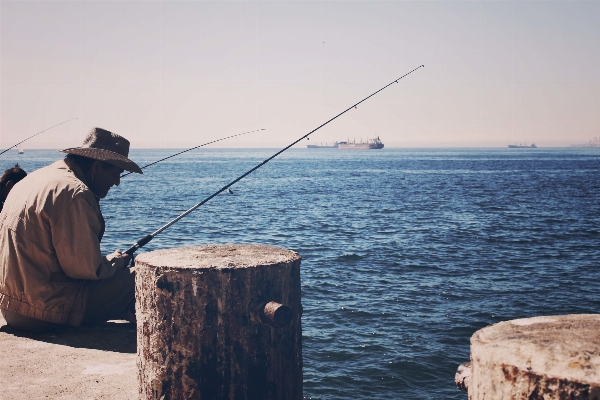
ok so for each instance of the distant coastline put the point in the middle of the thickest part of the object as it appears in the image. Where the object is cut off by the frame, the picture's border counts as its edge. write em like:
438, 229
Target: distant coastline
595, 142
300, 147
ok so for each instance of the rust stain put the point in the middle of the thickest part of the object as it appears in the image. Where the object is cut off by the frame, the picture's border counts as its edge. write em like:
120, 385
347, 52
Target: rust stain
510, 372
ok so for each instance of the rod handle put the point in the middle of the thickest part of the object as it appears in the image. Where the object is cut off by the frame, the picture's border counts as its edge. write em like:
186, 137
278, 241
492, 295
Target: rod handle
138, 244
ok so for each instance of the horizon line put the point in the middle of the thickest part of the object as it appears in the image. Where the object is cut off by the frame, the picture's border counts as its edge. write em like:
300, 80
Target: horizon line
305, 148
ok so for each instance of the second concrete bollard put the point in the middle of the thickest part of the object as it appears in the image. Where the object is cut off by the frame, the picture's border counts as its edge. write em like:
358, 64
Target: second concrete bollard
549, 358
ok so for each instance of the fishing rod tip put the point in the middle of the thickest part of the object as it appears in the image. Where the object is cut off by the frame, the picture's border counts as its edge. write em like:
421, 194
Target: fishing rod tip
422, 66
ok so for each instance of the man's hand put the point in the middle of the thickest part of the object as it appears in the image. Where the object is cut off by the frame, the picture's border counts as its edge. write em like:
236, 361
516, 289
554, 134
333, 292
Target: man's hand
120, 259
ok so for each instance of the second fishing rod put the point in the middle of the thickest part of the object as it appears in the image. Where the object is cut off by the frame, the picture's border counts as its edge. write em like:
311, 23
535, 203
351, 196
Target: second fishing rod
146, 239
193, 148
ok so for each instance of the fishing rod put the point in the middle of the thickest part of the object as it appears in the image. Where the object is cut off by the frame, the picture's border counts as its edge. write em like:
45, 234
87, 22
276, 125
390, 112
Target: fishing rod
37, 134
143, 241
181, 152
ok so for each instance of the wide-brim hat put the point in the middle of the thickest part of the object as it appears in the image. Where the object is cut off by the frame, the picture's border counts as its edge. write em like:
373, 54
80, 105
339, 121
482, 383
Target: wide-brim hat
106, 146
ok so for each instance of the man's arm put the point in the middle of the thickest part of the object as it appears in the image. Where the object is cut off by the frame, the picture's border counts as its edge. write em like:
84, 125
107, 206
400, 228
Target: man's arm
75, 240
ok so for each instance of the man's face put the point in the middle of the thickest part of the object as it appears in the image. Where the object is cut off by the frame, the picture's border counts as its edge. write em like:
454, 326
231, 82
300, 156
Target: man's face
104, 177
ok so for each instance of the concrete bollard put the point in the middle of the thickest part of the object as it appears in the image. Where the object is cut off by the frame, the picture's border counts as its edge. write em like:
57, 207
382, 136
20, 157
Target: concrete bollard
550, 358
219, 322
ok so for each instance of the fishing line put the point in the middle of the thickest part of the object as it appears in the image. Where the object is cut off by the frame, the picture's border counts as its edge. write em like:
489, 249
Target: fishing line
181, 152
143, 241
37, 134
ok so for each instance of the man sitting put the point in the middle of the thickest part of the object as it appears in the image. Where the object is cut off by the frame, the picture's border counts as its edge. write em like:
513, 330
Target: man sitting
8, 179
51, 270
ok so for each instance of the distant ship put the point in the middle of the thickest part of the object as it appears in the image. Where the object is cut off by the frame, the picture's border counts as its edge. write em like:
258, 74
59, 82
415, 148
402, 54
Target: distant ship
322, 146
370, 144
522, 146
21, 151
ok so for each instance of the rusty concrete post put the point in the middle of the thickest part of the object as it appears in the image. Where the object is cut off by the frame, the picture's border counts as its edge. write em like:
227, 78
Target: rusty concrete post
219, 322
550, 358
462, 378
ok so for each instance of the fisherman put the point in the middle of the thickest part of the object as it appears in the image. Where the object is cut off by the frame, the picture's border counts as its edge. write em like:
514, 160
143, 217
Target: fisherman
9, 178
52, 273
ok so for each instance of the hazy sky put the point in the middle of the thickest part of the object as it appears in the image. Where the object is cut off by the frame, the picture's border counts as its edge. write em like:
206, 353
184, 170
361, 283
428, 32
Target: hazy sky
179, 73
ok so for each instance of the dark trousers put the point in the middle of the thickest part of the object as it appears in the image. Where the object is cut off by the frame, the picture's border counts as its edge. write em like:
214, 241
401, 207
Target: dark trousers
111, 298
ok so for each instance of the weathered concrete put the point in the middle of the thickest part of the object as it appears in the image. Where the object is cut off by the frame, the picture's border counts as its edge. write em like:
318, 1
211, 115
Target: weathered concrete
462, 377
74, 363
219, 322
554, 357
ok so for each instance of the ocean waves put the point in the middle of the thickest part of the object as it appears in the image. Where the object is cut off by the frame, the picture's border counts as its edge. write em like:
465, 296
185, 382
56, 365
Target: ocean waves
406, 253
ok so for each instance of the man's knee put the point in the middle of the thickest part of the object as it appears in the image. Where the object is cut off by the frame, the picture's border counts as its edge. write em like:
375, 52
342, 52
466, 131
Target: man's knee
111, 298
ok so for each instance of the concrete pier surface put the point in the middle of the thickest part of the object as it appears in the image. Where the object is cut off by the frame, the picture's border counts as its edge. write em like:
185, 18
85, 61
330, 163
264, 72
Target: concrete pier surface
74, 363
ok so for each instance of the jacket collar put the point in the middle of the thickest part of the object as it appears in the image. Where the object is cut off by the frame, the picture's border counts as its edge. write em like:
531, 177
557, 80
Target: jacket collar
78, 172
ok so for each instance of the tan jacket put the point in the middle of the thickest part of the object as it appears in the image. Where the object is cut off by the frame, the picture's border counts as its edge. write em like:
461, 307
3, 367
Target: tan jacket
50, 232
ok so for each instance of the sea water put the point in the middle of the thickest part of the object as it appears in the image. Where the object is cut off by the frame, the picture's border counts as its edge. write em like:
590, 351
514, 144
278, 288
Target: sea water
405, 253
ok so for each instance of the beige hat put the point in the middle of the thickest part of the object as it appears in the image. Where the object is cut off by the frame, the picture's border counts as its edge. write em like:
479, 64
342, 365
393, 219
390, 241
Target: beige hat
106, 146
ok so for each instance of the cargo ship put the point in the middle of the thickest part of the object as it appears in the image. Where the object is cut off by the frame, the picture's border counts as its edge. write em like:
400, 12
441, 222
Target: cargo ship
370, 144
522, 146
322, 146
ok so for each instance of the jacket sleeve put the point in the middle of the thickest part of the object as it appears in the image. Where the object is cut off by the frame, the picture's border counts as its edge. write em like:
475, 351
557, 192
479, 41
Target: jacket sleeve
75, 240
